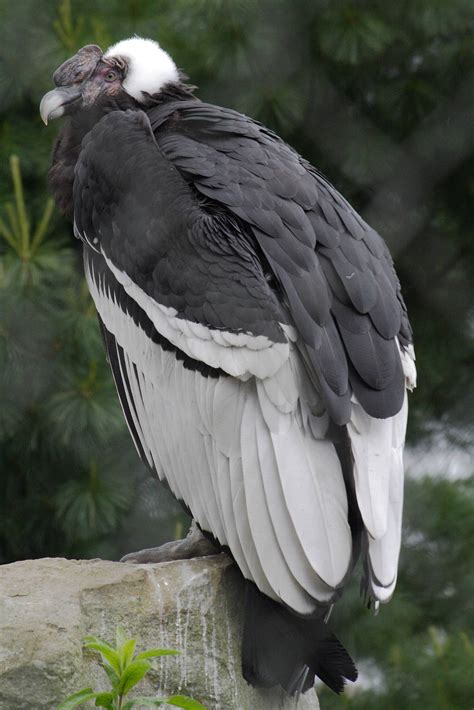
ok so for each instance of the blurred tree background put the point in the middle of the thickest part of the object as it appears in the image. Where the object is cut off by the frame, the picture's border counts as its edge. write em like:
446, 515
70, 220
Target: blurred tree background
377, 95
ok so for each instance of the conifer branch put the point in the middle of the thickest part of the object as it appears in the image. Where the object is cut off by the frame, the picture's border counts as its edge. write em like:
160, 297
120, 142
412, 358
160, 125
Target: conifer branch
23, 223
43, 225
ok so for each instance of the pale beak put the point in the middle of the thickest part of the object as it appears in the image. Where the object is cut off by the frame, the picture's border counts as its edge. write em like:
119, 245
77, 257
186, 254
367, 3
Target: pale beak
54, 102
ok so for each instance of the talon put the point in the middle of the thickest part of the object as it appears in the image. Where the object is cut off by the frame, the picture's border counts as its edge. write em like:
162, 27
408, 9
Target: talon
193, 545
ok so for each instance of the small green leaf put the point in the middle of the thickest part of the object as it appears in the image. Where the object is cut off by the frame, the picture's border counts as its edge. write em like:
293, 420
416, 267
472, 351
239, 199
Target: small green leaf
132, 675
94, 639
107, 653
82, 696
105, 700
155, 652
113, 677
182, 701
126, 652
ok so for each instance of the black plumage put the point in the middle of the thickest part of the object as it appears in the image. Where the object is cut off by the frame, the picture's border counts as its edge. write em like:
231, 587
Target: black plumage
275, 212
288, 207
191, 259
281, 647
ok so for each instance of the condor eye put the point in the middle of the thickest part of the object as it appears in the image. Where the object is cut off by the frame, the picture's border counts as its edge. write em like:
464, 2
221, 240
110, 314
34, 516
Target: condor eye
111, 75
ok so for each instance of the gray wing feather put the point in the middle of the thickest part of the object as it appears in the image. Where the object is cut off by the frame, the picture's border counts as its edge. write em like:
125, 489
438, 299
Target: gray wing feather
262, 526
377, 447
288, 540
319, 249
318, 503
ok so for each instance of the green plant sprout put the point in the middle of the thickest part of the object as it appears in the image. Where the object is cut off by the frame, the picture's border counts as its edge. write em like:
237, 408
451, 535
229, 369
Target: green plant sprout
125, 669
18, 233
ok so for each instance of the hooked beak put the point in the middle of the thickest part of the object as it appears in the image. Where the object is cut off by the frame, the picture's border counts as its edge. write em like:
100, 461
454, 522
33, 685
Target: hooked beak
53, 103
69, 78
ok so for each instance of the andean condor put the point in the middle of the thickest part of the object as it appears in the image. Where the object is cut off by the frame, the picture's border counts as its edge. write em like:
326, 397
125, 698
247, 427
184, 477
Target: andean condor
258, 339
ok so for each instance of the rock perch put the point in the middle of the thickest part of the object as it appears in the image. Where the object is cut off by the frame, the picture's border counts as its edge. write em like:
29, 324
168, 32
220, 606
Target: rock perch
47, 606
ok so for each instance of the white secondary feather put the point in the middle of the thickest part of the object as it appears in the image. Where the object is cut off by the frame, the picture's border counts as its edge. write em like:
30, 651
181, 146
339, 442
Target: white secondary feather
276, 420
274, 564
408, 358
315, 495
272, 494
250, 355
371, 442
150, 68
283, 388
377, 449
384, 552
290, 545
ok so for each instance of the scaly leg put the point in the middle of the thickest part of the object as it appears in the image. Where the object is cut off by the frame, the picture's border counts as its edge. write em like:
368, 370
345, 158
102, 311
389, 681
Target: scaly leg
193, 545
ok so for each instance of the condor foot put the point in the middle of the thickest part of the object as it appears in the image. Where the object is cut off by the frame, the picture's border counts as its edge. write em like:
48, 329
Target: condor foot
193, 545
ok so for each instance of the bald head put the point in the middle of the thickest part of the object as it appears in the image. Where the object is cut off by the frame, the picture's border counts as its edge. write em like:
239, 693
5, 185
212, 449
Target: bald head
133, 69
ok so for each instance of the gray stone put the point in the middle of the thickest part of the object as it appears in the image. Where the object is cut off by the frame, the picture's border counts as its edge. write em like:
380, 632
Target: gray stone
47, 607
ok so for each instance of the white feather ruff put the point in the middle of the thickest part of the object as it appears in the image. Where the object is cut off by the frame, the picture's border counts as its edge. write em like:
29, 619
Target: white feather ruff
149, 66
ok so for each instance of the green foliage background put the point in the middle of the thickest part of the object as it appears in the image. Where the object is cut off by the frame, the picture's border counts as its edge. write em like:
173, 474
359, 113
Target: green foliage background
379, 97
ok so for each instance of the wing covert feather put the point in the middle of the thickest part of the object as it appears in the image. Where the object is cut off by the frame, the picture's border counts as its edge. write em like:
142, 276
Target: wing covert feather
315, 243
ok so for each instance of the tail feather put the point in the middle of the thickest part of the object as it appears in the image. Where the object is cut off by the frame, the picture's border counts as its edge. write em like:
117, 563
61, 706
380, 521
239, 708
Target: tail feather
280, 648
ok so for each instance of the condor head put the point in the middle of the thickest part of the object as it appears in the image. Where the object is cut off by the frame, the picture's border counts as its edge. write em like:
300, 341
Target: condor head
128, 73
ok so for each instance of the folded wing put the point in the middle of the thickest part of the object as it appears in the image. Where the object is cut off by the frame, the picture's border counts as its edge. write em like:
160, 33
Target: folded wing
242, 301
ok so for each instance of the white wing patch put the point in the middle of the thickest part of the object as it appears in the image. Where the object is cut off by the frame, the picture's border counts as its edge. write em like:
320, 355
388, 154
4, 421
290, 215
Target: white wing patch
407, 355
377, 449
235, 452
371, 442
239, 354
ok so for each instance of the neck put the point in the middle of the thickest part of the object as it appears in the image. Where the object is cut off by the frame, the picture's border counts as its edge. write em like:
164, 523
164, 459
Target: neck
175, 91
68, 146
69, 141
65, 154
